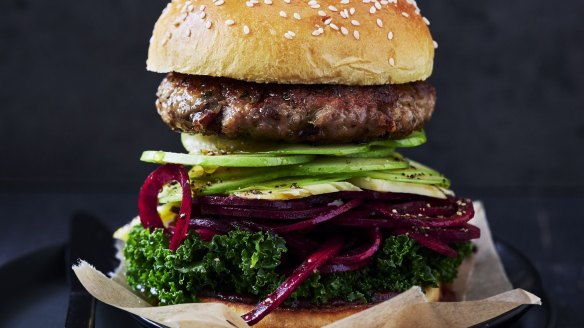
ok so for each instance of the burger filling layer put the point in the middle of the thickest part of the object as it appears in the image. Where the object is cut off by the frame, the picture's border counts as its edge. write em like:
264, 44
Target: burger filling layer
293, 225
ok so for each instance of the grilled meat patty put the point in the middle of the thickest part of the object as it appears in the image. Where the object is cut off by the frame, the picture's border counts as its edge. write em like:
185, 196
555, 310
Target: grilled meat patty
291, 112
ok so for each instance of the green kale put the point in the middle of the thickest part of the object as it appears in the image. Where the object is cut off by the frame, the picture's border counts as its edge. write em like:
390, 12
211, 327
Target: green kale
246, 263
239, 262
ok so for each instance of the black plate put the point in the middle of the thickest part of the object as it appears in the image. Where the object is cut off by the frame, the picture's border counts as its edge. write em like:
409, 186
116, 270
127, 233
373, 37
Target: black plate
35, 293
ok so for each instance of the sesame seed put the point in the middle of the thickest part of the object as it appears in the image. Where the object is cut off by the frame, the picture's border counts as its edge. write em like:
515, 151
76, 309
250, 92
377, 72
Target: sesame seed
391, 61
426, 20
344, 30
245, 29
321, 13
208, 24
297, 16
435, 44
372, 10
334, 27
332, 8
316, 33
377, 5
291, 33
202, 14
379, 22
229, 22
191, 8
202, 7
366, 1
283, 14
249, 4
355, 22
312, 2
287, 1
328, 21
288, 36
352, 11
356, 34
344, 13
390, 35
344, 2
219, 3
315, 6
268, 2
405, 14
167, 37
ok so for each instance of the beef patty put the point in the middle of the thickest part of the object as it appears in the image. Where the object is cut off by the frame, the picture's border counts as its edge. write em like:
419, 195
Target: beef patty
291, 112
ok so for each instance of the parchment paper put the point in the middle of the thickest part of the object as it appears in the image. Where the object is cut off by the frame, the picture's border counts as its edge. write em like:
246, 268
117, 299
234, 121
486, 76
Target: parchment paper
482, 288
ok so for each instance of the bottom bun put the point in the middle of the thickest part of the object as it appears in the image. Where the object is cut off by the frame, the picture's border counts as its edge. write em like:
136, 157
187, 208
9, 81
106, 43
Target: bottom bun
316, 317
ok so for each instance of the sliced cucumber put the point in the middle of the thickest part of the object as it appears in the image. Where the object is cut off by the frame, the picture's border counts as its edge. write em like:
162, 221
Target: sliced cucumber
201, 144
374, 152
410, 176
349, 165
400, 187
415, 139
297, 188
225, 186
330, 150
241, 160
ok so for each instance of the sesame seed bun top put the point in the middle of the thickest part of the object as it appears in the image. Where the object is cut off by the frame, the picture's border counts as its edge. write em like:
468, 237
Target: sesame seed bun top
353, 42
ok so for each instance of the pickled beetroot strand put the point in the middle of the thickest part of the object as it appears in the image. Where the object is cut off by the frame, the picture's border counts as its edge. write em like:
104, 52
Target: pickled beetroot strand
466, 213
436, 208
363, 256
433, 244
463, 233
206, 234
148, 201
148, 197
261, 213
181, 227
375, 195
329, 249
372, 222
336, 268
320, 218
301, 204
198, 223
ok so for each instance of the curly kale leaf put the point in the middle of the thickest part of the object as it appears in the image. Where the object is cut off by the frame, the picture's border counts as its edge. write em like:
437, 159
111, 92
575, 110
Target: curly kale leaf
398, 265
239, 262
247, 263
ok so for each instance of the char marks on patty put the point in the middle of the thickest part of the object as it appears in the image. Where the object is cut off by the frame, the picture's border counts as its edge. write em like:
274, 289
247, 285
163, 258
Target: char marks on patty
292, 112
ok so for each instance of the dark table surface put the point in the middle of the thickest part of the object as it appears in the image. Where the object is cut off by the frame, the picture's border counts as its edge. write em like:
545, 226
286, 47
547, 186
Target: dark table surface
546, 228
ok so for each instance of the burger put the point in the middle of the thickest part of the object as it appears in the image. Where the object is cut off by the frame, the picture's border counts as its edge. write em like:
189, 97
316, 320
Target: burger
291, 202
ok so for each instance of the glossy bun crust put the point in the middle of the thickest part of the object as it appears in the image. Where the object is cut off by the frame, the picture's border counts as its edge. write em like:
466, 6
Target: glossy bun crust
308, 318
300, 42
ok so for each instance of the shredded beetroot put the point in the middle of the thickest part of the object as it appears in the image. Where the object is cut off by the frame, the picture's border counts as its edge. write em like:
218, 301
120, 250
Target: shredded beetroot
320, 218
363, 256
261, 213
206, 234
329, 249
434, 244
148, 201
337, 268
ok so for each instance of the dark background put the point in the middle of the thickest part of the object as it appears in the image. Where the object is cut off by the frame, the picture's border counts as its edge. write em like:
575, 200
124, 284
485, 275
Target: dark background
77, 109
